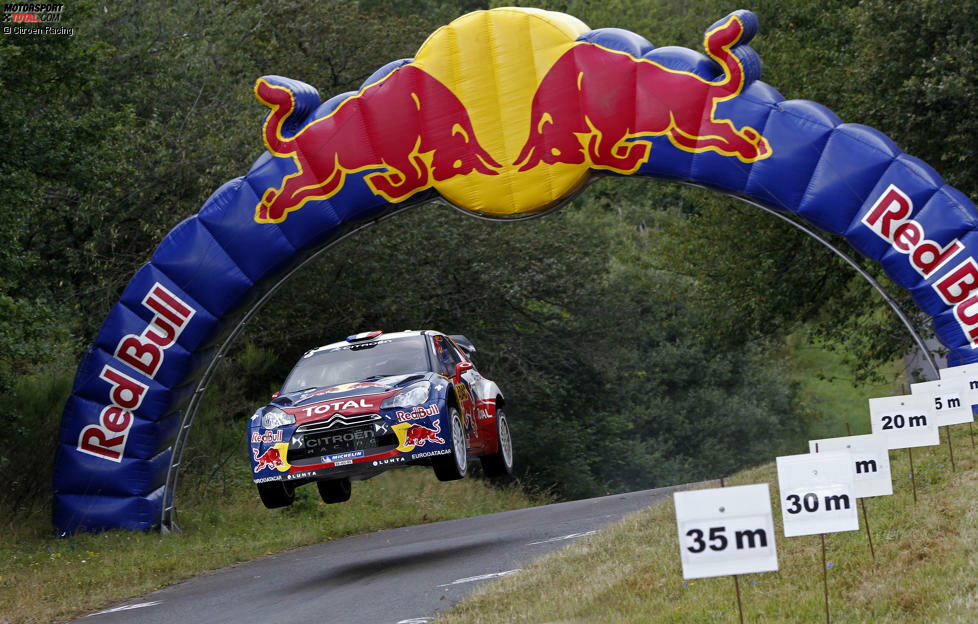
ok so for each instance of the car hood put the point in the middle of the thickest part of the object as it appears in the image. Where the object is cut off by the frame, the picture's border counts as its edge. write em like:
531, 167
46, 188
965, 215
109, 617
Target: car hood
384, 386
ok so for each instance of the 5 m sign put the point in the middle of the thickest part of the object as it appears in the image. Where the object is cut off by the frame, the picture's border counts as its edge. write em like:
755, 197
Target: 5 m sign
950, 400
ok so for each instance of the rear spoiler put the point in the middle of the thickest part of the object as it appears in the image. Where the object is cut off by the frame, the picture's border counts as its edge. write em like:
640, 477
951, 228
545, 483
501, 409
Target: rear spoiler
463, 343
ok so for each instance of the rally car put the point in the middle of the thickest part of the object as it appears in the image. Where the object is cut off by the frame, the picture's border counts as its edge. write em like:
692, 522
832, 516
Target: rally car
375, 401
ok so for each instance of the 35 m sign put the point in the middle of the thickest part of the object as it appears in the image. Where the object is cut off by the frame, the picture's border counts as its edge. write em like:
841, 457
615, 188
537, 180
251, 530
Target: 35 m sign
726, 531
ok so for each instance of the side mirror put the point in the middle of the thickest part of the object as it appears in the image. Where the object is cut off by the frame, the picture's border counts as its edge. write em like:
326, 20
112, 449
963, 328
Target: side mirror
461, 367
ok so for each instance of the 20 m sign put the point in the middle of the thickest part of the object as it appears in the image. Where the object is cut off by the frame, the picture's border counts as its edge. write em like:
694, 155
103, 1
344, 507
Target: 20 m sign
904, 421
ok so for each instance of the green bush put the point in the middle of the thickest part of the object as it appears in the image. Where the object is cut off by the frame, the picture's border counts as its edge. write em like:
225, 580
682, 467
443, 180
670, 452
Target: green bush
31, 410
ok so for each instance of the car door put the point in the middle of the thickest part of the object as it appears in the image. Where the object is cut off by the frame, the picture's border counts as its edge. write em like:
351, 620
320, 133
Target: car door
462, 378
483, 393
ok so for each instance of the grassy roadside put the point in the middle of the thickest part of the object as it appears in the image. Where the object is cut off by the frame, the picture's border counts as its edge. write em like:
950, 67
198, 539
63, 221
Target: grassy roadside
926, 568
45, 579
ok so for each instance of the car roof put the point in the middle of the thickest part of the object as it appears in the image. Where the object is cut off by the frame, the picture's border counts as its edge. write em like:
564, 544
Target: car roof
384, 336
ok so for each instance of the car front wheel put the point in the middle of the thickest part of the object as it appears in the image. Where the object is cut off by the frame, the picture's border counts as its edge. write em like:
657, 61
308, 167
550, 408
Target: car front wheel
453, 466
275, 494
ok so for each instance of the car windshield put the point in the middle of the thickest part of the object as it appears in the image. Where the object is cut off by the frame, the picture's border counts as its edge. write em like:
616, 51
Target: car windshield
355, 362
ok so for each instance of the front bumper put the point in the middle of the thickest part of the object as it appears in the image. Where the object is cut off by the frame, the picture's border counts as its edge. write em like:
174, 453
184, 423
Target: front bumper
358, 447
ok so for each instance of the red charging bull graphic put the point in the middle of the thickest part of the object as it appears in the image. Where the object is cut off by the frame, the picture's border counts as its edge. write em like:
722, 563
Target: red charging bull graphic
411, 435
274, 457
667, 102
269, 459
427, 137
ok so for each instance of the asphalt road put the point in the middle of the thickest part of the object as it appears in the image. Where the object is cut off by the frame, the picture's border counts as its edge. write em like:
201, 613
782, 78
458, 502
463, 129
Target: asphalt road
399, 576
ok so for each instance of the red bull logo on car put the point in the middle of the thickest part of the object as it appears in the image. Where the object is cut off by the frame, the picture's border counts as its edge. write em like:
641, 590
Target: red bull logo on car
266, 437
417, 413
273, 457
411, 435
545, 114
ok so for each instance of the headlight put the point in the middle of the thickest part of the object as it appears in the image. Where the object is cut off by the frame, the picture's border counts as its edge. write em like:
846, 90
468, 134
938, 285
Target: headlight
415, 394
275, 417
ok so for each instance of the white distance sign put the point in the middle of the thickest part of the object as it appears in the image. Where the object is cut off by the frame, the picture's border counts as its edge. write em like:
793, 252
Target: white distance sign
950, 401
904, 421
968, 374
869, 460
816, 494
726, 531
968, 371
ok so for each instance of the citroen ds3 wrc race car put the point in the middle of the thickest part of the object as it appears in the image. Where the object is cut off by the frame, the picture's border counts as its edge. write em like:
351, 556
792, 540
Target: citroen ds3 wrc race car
354, 409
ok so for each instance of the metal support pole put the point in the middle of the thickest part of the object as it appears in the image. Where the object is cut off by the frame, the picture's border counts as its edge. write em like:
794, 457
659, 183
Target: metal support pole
825, 579
913, 479
862, 502
950, 449
866, 276
740, 608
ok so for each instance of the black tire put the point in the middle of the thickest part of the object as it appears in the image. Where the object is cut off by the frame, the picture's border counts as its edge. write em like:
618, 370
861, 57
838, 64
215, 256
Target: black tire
275, 494
452, 467
334, 490
499, 465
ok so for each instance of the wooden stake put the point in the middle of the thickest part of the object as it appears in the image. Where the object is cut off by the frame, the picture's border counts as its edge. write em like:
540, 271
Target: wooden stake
740, 609
862, 502
913, 481
825, 580
950, 449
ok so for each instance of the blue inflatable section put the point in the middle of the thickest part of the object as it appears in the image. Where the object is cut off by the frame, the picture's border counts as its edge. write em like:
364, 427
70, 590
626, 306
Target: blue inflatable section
133, 384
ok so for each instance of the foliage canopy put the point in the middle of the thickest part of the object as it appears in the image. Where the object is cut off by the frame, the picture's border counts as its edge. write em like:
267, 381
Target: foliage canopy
632, 331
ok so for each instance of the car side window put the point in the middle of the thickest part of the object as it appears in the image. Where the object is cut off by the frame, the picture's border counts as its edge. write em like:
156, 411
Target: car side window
459, 354
445, 355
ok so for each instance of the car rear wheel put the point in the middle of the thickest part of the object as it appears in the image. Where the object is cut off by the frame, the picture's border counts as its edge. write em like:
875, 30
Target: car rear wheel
275, 494
499, 465
453, 466
334, 490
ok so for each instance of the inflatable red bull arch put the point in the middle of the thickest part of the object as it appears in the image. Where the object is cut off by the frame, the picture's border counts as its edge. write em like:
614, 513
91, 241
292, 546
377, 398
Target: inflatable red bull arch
502, 114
